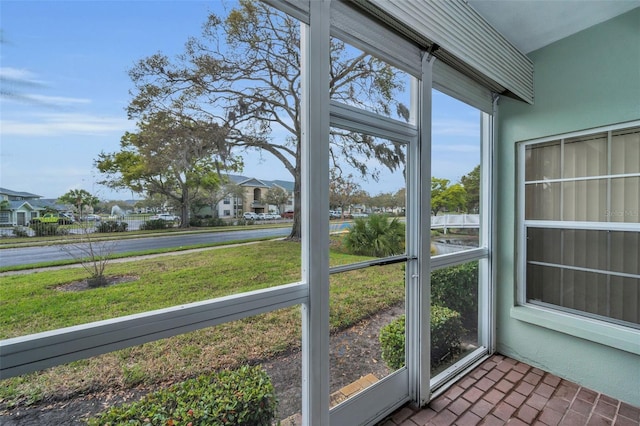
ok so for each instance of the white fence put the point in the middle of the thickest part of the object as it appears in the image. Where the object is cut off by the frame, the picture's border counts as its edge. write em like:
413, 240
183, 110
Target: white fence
455, 221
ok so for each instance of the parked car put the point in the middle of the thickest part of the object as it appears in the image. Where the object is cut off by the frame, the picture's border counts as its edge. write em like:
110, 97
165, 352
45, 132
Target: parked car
90, 218
250, 216
334, 214
275, 216
357, 215
165, 216
288, 214
59, 218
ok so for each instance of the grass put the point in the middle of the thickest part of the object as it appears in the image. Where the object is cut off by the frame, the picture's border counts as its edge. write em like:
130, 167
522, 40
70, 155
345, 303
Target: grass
31, 303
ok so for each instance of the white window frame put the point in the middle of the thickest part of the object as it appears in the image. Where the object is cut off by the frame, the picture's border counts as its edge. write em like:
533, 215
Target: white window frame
555, 318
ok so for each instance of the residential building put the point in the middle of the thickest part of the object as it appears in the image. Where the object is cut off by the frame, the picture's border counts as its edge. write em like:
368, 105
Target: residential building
17, 208
252, 198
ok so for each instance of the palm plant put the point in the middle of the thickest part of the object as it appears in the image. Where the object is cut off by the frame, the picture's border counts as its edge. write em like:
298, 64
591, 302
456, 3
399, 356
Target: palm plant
376, 236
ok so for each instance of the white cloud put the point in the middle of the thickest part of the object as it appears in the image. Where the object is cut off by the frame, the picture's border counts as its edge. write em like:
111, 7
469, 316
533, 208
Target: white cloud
17, 74
456, 128
65, 124
56, 100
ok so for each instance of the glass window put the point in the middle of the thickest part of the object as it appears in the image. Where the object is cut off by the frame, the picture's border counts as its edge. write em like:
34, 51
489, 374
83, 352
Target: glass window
456, 180
582, 225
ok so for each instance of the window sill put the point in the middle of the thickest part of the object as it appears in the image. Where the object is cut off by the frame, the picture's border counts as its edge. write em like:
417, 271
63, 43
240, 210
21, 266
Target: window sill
616, 336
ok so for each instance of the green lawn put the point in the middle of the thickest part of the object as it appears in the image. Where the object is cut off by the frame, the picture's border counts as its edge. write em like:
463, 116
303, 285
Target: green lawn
32, 303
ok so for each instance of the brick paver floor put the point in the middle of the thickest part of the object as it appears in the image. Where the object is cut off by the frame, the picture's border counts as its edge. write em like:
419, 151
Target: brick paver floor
504, 391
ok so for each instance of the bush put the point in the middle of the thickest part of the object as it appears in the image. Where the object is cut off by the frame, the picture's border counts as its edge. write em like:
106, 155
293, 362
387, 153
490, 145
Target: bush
216, 221
20, 231
239, 397
45, 229
375, 236
392, 343
156, 224
207, 221
446, 333
456, 288
112, 226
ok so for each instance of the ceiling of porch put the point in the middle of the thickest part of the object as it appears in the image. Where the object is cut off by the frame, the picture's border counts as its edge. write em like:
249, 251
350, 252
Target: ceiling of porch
532, 24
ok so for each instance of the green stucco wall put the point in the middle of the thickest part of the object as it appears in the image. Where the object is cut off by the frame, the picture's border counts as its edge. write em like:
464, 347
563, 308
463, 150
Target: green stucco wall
588, 80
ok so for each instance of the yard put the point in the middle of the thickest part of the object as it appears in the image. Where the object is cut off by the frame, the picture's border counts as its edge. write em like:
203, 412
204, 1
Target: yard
48, 300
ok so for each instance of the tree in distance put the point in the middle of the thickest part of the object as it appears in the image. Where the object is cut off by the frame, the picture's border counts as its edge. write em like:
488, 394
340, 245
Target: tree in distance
446, 197
471, 184
79, 198
277, 196
171, 155
241, 78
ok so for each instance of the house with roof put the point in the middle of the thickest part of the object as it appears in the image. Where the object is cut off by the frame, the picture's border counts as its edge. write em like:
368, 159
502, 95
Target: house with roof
17, 208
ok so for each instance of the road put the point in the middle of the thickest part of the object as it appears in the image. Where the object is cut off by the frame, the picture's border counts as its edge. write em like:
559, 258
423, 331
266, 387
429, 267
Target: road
30, 255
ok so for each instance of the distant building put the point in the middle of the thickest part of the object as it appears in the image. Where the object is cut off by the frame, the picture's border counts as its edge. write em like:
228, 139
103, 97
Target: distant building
251, 199
18, 208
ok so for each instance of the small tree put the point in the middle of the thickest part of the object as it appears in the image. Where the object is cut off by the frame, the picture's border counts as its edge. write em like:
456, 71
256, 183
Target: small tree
80, 199
278, 197
92, 254
343, 190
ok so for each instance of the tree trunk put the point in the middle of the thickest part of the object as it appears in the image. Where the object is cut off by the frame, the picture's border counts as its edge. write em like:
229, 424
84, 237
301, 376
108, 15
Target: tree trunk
296, 228
184, 208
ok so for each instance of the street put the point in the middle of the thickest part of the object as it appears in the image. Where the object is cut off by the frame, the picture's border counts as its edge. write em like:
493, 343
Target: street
31, 255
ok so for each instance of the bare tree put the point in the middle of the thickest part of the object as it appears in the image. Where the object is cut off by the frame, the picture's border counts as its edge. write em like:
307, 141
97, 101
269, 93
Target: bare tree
244, 74
92, 253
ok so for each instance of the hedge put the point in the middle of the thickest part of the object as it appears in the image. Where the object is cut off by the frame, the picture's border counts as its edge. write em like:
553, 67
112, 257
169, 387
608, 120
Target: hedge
456, 288
111, 226
241, 397
446, 333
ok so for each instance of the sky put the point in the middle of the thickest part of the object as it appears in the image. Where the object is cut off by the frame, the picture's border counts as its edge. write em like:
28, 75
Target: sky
71, 59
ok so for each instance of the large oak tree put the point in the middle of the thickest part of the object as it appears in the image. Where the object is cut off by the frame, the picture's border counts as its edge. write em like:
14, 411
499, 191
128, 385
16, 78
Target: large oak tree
243, 73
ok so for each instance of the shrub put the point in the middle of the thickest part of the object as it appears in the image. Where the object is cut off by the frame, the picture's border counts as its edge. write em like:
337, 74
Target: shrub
45, 229
392, 343
375, 236
239, 397
207, 221
156, 224
456, 287
216, 221
112, 226
446, 332
20, 231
